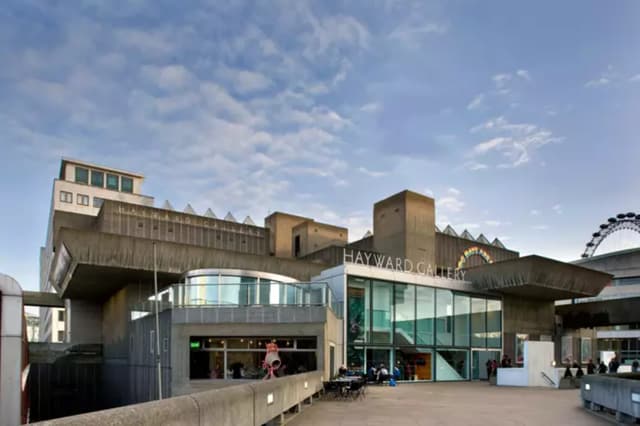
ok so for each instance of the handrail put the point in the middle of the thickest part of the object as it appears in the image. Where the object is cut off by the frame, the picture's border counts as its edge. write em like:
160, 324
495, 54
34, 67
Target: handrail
549, 379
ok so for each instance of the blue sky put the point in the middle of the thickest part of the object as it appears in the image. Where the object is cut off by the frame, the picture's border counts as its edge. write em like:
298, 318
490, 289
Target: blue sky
521, 119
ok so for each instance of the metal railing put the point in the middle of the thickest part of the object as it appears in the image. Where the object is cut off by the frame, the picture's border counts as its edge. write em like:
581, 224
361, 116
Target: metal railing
230, 295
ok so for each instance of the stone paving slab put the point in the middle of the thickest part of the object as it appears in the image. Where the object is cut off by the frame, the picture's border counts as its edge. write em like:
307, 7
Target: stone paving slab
475, 403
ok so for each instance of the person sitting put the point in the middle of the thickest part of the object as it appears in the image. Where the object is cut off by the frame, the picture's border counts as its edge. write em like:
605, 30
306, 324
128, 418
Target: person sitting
591, 368
602, 368
342, 371
579, 373
383, 374
372, 374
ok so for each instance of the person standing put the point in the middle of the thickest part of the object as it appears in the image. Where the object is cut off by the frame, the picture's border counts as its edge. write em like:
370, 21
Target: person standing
614, 364
591, 368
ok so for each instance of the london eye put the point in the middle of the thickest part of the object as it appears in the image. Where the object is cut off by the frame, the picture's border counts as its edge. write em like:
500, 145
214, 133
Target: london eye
623, 221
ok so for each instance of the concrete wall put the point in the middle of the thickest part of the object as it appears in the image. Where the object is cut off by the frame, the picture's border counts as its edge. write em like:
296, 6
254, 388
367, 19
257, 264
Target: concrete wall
83, 321
10, 350
449, 250
404, 226
280, 226
183, 228
244, 405
526, 316
315, 236
92, 192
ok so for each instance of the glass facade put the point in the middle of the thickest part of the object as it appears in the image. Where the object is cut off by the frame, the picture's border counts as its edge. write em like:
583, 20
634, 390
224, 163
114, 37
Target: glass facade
97, 178
242, 357
226, 288
113, 182
126, 184
82, 175
426, 333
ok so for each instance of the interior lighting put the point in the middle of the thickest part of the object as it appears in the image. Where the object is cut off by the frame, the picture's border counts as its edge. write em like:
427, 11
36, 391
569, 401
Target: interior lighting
587, 386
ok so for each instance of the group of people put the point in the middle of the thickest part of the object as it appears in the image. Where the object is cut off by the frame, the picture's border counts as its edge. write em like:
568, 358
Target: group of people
492, 365
380, 374
599, 367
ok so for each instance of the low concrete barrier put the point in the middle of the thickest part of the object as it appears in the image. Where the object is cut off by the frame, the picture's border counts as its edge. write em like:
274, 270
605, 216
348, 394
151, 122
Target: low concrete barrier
617, 392
251, 404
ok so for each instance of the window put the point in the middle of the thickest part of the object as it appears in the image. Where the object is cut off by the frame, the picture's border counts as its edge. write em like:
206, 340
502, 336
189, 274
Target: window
97, 178
82, 175
461, 309
444, 317
405, 303
113, 181
478, 322
424, 321
60, 335
66, 197
60, 315
97, 202
381, 329
296, 246
82, 199
126, 184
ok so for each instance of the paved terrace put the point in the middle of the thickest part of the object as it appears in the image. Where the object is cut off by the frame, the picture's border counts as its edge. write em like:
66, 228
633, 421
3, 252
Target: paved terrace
474, 403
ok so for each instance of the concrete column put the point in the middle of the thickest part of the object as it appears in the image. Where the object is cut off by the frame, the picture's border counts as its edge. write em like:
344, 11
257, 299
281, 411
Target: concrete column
11, 351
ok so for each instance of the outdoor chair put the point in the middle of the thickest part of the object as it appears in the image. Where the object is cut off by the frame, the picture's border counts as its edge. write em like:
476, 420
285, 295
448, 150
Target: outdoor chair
332, 390
355, 390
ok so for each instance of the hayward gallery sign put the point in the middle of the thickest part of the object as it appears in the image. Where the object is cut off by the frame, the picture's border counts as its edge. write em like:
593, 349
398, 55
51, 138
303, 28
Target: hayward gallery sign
401, 264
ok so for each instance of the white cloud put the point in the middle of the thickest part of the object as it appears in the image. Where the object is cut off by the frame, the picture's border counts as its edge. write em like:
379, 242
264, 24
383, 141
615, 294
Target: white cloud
169, 77
371, 173
451, 204
501, 80
475, 166
371, 107
428, 192
524, 74
635, 78
557, 208
492, 222
602, 81
245, 81
540, 227
460, 227
412, 35
453, 191
515, 143
476, 102
534, 212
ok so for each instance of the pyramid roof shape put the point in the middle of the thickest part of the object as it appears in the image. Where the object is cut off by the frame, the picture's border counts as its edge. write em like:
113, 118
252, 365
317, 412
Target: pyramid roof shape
482, 239
496, 242
438, 229
466, 234
450, 231
210, 214
167, 205
248, 221
229, 217
189, 209
367, 234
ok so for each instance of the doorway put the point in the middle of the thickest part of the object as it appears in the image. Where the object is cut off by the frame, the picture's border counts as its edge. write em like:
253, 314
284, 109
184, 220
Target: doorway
479, 363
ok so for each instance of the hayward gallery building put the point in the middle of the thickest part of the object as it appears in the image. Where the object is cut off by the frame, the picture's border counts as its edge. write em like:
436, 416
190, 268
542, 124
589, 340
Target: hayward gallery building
435, 304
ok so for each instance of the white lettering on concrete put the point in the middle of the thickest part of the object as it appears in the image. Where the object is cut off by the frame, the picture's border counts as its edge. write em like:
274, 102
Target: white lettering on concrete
402, 265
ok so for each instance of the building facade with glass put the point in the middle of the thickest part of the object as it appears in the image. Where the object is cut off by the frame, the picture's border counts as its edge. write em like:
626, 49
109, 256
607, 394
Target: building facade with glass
430, 329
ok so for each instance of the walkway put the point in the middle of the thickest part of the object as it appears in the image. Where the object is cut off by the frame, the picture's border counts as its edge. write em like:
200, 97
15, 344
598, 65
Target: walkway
474, 403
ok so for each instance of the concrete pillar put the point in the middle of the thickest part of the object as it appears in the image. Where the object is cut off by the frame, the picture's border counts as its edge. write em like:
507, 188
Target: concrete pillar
10, 350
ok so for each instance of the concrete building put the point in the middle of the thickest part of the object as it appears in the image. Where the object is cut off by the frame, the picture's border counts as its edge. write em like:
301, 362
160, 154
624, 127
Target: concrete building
78, 194
436, 304
610, 321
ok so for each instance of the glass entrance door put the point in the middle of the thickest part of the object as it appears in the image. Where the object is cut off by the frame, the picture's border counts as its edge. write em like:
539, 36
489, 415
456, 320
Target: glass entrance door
376, 356
480, 358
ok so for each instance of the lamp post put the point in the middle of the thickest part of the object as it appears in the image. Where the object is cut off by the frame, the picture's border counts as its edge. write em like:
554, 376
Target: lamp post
155, 287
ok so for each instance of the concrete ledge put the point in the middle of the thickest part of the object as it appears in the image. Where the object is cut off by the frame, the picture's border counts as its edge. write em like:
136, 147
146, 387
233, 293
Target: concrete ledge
243, 405
617, 392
